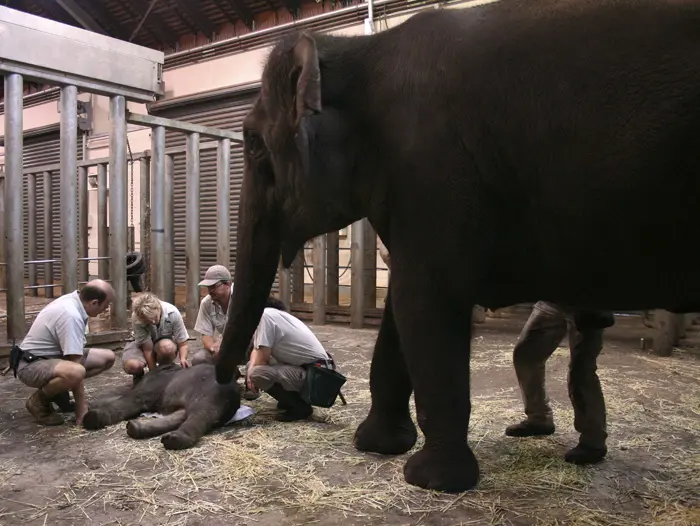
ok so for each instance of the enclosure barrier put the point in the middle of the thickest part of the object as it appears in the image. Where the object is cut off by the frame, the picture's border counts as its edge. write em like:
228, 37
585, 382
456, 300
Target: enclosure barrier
105, 66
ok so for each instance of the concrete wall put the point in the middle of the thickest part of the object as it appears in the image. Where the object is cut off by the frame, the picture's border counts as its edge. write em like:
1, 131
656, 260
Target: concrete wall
222, 72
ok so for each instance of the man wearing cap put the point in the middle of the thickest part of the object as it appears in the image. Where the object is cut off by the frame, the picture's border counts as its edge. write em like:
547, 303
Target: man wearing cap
213, 312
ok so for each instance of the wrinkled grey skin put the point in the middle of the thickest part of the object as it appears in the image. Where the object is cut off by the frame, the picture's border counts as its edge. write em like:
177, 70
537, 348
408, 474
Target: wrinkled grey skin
191, 400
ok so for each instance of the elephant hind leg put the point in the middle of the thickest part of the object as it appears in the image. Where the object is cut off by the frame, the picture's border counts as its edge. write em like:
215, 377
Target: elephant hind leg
200, 419
155, 426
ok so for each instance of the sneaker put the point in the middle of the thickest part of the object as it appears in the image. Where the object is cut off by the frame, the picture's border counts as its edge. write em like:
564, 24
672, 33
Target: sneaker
528, 428
39, 406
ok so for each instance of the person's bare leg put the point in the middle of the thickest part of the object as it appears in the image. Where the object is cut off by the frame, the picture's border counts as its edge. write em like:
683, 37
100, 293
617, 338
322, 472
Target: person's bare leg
98, 361
166, 351
67, 375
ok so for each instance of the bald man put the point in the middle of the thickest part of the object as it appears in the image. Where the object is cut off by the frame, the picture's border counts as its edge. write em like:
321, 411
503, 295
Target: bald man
54, 358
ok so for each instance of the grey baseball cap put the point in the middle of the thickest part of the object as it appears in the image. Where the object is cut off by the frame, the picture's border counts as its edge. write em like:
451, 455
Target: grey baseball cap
215, 274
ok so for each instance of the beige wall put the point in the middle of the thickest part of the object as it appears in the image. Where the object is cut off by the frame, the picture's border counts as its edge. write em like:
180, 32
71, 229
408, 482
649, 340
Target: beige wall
218, 73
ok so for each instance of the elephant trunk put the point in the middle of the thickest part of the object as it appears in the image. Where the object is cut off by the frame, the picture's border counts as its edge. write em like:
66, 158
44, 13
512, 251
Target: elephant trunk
257, 257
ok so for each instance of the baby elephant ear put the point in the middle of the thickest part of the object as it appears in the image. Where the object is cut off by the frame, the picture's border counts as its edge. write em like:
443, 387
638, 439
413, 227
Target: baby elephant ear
308, 88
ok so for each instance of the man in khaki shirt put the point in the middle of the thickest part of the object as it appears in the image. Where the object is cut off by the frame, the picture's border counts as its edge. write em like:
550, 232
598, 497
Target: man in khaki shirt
213, 312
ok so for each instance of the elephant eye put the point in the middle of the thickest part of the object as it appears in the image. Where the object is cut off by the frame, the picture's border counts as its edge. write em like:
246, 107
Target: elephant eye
255, 144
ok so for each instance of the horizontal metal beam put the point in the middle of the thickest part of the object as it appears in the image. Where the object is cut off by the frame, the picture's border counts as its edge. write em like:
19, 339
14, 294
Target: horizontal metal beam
185, 127
45, 50
175, 150
79, 15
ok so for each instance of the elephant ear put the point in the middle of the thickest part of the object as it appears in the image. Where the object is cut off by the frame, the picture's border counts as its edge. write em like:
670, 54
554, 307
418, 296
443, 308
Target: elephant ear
308, 79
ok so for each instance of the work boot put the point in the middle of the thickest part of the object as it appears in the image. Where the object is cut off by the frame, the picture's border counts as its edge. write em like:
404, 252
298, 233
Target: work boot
39, 406
295, 408
64, 403
583, 454
530, 428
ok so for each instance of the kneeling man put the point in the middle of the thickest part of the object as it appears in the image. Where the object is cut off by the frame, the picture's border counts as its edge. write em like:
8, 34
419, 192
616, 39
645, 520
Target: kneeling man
282, 344
159, 336
54, 358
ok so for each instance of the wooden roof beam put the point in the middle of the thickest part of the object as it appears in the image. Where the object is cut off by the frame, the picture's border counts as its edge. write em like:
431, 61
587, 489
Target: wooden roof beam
80, 16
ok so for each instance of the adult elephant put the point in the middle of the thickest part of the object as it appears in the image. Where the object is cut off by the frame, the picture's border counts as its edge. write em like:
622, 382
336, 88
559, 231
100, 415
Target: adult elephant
543, 150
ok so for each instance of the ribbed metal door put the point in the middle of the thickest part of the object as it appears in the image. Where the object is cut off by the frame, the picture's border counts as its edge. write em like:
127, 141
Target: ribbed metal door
40, 150
226, 113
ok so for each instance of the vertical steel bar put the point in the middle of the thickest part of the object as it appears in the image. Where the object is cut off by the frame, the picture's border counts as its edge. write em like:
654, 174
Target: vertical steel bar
31, 230
102, 230
223, 200
357, 275
69, 188
3, 268
14, 227
285, 281
319, 287
168, 226
145, 215
192, 229
158, 211
118, 208
83, 266
48, 234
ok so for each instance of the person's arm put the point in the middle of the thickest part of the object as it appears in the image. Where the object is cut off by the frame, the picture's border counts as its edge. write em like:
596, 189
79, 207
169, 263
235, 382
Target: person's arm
180, 336
259, 356
71, 337
149, 354
264, 339
183, 350
205, 327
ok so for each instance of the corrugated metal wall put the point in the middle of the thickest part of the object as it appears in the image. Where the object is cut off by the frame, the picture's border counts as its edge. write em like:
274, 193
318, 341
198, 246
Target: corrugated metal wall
41, 150
226, 113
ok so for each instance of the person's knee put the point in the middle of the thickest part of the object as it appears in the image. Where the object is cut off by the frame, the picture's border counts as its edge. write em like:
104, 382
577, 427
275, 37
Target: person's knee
134, 367
165, 350
100, 359
72, 373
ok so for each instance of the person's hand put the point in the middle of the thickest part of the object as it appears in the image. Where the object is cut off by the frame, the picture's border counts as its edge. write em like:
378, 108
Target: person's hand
80, 412
184, 363
251, 386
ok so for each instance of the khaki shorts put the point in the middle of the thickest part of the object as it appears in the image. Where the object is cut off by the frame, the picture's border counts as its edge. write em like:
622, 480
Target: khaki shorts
40, 372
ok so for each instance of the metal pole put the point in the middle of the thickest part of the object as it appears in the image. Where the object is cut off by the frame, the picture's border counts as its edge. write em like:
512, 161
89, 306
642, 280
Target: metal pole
285, 281
31, 229
83, 268
357, 275
118, 208
2, 232
192, 229
14, 227
145, 214
319, 286
158, 211
168, 225
48, 234
102, 230
69, 189
223, 200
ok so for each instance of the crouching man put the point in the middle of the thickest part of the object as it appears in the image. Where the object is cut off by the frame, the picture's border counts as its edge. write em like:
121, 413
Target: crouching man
160, 336
282, 344
54, 359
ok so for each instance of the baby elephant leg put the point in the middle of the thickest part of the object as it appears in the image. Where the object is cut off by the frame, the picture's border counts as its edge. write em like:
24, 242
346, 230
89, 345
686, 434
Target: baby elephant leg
202, 417
153, 427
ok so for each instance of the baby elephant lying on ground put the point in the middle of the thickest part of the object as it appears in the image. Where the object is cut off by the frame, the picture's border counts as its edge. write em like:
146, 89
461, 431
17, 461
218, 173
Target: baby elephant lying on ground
191, 401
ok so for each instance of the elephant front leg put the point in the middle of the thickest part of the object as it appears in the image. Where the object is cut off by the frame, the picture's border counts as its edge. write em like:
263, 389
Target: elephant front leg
155, 426
388, 428
123, 408
436, 336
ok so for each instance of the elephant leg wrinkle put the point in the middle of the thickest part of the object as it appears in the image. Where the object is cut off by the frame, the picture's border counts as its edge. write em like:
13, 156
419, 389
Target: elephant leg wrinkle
388, 428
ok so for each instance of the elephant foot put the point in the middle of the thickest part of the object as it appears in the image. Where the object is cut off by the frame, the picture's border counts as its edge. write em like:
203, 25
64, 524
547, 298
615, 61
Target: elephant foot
386, 435
177, 440
450, 469
95, 419
134, 430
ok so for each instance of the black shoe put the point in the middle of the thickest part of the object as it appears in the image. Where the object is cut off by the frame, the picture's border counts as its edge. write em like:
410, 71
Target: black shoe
64, 403
137, 378
528, 428
583, 454
295, 408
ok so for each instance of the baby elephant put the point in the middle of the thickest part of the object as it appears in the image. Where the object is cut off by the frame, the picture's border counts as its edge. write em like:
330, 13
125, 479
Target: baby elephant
191, 401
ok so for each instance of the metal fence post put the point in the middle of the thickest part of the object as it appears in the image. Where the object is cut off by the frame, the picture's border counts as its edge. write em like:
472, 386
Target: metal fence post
168, 227
145, 214
14, 227
158, 211
319, 286
118, 208
192, 230
83, 265
102, 230
48, 234
69, 188
31, 229
3, 268
223, 203
357, 275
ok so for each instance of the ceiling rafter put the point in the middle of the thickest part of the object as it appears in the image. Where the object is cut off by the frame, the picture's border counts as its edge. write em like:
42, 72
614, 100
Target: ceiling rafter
243, 11
192, 9
108, 20
154, 24
80, 16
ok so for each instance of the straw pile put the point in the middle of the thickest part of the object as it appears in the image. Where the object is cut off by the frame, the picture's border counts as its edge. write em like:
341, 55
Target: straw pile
308, 472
